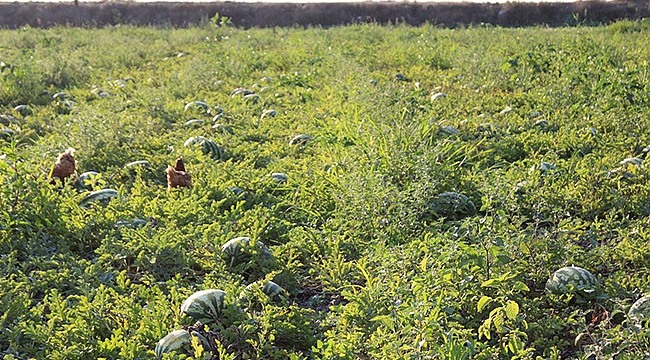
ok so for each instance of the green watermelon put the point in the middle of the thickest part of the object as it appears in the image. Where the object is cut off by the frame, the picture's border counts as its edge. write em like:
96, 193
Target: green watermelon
223, 129
87, 180
194, 122
272, 290
279, 178
204, 305
6, 133
250, 297
241, 91
300, 140
239, 250
572, 279
173, 341
640, 310
99, 195
449, 130
208, 147
194, 140
451, 205
197, 105
237, 190
143, 163
252, 97
268, 113
131, 224
211, 148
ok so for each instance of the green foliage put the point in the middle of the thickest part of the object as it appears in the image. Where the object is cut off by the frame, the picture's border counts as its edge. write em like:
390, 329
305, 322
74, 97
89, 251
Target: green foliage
530, 138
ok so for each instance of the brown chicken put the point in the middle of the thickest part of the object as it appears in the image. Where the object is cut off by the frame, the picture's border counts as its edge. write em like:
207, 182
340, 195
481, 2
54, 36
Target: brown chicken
64, 167
176, 175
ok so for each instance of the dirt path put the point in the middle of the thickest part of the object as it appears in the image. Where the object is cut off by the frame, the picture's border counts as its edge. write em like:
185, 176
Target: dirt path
15, 15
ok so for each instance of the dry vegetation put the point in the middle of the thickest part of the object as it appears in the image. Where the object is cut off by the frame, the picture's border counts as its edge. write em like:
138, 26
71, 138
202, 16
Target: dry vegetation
15, 15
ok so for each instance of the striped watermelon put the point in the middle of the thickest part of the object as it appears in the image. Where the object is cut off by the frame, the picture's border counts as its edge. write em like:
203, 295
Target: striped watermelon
252, 97
240, 249
250, 297
204, 305
143, 163
241, 91
99, 195
572, 279
208, 147
197, 105
194, 140
6, 133
175, 340
211, 148
300, 140
279, 178
23, 110
272, 290
236, 190
640, 310
87, 180
194, 122
268, 113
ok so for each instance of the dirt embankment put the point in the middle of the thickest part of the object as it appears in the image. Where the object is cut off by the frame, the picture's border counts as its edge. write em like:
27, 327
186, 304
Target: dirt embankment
16, 15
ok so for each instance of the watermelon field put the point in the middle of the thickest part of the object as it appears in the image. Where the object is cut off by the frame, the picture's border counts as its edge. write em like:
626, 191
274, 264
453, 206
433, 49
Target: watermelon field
356, 192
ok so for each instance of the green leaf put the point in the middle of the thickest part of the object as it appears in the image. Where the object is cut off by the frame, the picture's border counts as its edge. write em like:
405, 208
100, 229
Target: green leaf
484, 329
383, 319
520, 286
483, 302
423, 264
489, 283
512, 310
499, 322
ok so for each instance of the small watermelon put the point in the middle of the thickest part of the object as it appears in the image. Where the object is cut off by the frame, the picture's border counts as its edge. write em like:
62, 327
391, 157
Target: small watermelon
143, 163
194, 122
268, 113
236, 190
194, 140
572, 279
223, 129
197, 105
401, 77
449, 130
272, 290
99, 195
640, 310
173, 341
208, 147
279, 178
23, 110
541, 123
240, 249
87, 180
252, 296
438, 95
6, 133
300, 140
241, 91
205, 305
211, 148
132, 224
451, 205
252, 97
631, 161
